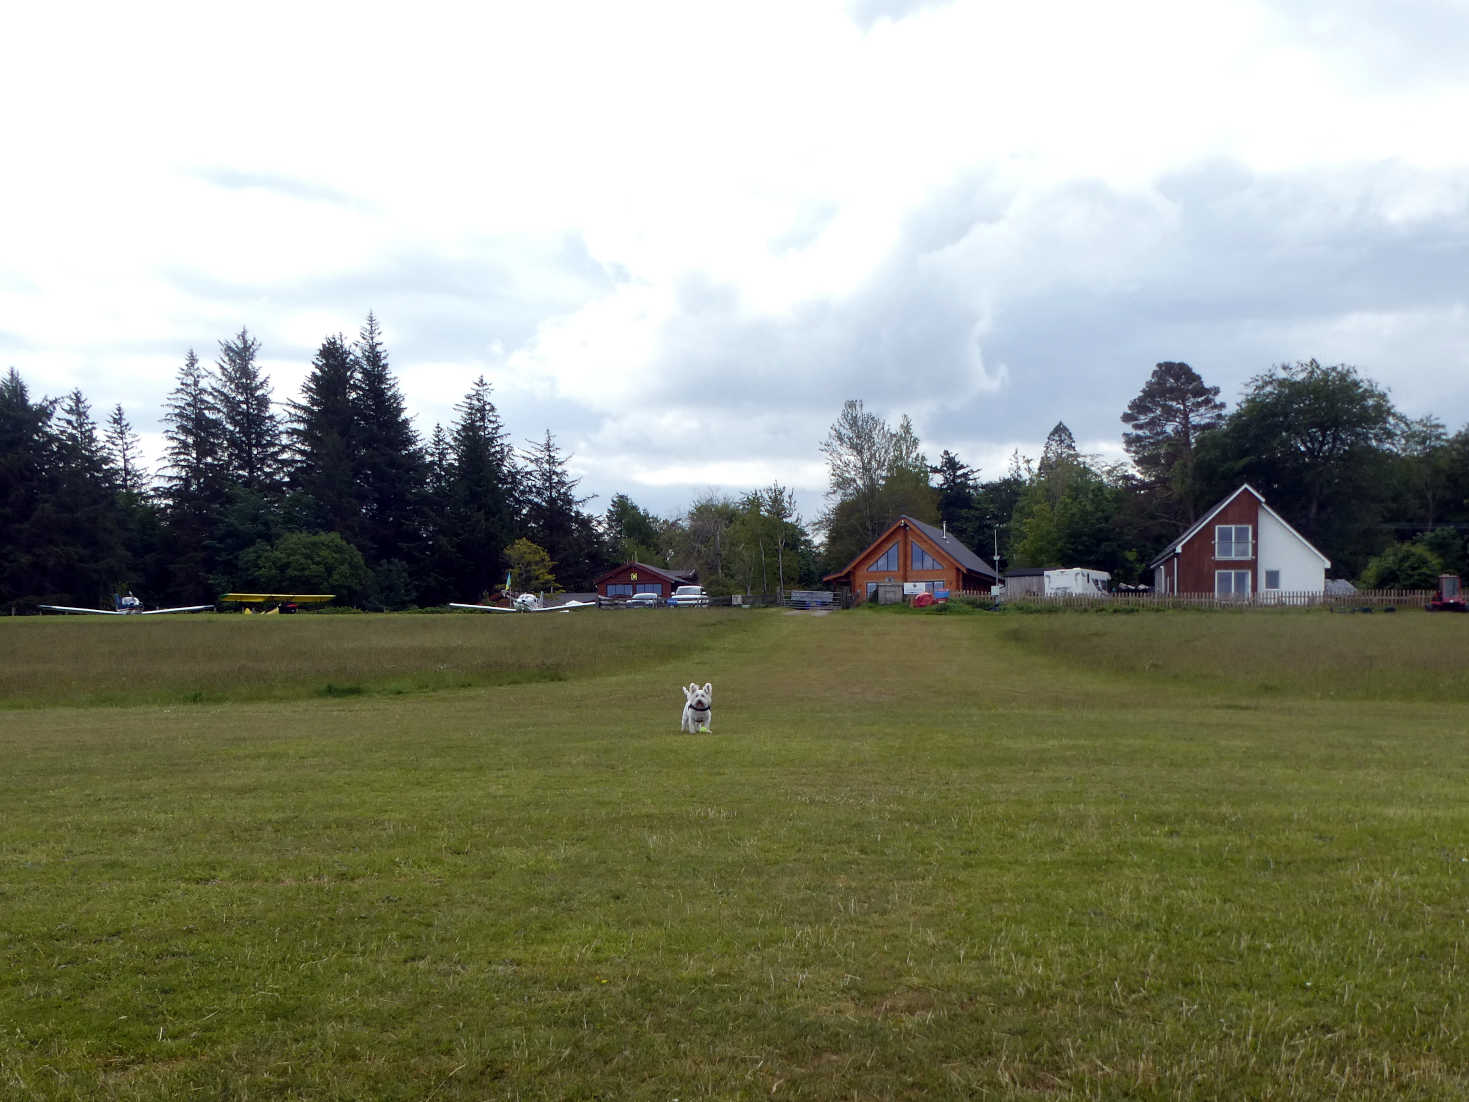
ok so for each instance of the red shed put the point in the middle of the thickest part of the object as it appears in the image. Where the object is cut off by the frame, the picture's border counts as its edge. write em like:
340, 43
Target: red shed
638, 577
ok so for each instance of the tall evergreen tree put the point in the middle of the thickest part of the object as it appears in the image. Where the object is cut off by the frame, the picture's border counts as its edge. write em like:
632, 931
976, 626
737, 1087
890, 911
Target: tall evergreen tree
482, 486
391, 466
125, 453
193, 480
251, 443
553, 517
322, 442
26, 476
87, 560
956, 499
1167, 417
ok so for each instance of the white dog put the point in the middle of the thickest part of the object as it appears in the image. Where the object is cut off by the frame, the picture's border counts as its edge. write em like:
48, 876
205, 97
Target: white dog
698, 709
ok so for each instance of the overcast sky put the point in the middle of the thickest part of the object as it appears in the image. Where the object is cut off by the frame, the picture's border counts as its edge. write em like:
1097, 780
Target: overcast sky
680, 235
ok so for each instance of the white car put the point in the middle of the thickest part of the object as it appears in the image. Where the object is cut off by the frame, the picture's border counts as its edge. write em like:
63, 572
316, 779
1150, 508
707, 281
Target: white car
644, 600
689, 596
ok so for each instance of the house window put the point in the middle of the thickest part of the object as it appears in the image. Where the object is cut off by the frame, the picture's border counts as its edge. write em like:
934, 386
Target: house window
1232, 541
1232, 583
651, 587
922, 560
1272, 579
619, 589
871, 589
888, 561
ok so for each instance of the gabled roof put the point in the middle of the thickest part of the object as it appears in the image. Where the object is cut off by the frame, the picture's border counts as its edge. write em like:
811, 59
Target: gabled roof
668, 575
945, 542
1176, 546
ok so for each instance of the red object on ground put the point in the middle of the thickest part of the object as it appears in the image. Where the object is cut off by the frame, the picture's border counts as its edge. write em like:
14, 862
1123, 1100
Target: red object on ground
923, 600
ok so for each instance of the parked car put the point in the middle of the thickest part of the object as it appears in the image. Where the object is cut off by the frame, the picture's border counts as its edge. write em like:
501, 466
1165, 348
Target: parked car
688, 596
645, 600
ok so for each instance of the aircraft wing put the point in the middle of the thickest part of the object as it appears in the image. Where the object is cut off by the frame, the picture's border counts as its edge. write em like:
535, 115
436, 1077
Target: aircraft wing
484, 608
568, 606
260, 598
190, 608
93, 611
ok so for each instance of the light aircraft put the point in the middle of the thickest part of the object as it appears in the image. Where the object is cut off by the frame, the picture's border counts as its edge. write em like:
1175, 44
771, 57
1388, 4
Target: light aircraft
279, 602
527, 602
127, 606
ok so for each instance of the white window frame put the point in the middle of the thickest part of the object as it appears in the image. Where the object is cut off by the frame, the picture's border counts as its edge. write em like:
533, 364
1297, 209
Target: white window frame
1233, 576
1234, 541
1272, 574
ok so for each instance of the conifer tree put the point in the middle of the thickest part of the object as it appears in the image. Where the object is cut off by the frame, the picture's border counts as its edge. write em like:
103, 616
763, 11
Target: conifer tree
87, 560
251, 444
391, 466
322, 442
26, 480
124, 453
482, 486
193, 480
553, 517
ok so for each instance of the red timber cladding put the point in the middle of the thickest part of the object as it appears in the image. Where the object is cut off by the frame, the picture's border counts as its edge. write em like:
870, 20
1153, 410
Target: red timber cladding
906, 538
1197, 564
623, 575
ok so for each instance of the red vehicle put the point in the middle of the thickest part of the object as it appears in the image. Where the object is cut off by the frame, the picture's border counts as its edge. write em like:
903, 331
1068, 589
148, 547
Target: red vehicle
1450, 596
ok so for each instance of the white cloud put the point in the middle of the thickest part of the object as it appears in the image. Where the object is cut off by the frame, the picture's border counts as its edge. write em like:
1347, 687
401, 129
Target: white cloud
984, 215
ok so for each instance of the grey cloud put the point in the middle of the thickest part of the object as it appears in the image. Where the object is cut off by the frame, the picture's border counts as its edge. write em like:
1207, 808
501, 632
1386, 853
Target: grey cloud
1078, 292
288, 186
865, 13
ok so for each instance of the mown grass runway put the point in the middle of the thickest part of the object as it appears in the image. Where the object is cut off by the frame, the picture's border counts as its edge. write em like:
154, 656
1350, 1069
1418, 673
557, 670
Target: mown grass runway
1010, 856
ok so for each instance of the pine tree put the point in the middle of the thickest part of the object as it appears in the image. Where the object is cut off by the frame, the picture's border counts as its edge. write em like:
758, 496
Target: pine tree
251, 445
193, 480
391, 466
482, 487
553, 518
26, 481
322, 441
87, 560
124, 453
1168, 415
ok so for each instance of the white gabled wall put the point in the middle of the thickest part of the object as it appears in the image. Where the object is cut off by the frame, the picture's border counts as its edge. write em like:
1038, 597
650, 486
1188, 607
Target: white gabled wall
1281, 549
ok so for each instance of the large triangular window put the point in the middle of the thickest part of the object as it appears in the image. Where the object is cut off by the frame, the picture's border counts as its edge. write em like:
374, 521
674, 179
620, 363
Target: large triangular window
888, 560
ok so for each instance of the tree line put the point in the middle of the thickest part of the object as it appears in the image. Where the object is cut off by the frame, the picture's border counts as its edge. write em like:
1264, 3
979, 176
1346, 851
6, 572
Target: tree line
335, 491
1384, 496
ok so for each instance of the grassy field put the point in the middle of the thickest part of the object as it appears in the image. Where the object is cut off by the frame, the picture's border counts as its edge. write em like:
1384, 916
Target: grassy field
447, 857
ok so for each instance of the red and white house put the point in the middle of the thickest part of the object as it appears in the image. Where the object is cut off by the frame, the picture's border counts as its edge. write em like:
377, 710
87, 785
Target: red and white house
918, 555
1240, 549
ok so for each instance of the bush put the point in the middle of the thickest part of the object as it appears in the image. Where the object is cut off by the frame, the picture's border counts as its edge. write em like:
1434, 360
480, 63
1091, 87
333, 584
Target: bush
1403, 566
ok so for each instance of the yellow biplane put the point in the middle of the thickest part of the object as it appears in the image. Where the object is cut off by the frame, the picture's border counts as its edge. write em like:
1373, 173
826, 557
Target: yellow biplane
278, 602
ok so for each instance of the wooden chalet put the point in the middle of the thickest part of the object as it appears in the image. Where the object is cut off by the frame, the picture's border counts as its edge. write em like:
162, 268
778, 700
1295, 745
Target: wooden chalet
920, 557
638, 577
1240, 549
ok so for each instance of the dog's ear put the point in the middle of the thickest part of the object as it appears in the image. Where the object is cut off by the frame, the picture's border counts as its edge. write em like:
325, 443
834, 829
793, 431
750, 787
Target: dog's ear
709, 689
688, 691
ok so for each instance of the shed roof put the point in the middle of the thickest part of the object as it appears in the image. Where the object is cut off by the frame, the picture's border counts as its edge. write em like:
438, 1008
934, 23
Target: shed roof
668, 574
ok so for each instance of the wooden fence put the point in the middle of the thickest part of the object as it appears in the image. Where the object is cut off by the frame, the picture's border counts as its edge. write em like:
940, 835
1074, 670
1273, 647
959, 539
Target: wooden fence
1336, 602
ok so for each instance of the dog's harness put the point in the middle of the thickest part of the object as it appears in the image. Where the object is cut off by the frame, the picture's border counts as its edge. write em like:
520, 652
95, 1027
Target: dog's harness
698, 707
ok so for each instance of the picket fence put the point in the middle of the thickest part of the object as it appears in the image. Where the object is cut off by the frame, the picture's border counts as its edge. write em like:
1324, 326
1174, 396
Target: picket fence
1343, 602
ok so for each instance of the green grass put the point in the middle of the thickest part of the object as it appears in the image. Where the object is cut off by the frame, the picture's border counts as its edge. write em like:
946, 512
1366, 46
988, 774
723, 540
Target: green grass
923, 856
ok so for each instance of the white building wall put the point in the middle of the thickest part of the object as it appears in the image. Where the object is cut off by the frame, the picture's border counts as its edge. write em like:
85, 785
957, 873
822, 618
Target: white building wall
1301, 569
